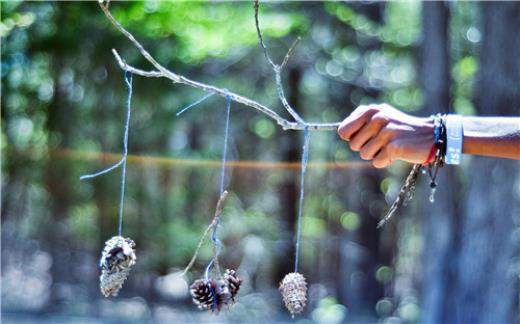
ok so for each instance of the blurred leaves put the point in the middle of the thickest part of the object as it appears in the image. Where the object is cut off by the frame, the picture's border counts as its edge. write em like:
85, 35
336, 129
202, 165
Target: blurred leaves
204, 31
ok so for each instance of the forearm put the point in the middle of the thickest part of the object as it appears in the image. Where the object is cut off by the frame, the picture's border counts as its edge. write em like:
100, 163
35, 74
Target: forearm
492, 136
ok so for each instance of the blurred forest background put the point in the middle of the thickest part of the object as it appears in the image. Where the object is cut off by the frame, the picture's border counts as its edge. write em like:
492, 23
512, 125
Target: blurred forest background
63, 97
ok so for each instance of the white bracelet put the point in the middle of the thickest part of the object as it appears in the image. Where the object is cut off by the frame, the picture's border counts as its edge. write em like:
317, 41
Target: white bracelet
454, 139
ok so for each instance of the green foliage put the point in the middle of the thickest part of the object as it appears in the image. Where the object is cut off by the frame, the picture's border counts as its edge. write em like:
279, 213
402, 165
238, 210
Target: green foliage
329, 311
350, 221
201, 32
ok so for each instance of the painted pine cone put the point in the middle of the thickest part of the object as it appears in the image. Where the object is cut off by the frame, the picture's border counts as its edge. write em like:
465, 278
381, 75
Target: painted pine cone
233, 282
117, 259
209, 294
294, 292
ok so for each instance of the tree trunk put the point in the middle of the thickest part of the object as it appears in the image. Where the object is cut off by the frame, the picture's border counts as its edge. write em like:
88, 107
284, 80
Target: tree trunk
363, 252
57, 232
289, 188
485, 287
440, 223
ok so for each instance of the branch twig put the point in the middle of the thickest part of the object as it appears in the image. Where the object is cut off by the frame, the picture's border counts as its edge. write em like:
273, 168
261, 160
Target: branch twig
289, 52
214, 222
162, 72
277, 68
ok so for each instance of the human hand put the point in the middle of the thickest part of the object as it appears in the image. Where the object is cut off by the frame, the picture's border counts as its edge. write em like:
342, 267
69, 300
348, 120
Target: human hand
383, 134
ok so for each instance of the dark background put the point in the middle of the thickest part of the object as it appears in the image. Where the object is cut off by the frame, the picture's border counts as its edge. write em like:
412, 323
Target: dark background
63, 107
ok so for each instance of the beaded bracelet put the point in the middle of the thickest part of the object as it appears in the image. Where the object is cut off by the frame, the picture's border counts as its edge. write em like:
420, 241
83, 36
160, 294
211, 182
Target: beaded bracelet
439, 142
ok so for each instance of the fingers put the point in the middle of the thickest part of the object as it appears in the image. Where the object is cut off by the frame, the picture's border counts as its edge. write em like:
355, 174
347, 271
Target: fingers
383, 134
356, 121
373, 146
388, 154
367, 132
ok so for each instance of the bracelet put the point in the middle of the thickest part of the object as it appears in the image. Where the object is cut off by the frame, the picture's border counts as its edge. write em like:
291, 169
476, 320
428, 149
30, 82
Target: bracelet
454, 139
439, 136
439, 143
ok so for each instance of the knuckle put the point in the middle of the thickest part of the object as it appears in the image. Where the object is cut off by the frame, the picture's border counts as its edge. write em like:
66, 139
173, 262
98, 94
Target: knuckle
372, 110
380, 118
367, 109
387, 133
393, 149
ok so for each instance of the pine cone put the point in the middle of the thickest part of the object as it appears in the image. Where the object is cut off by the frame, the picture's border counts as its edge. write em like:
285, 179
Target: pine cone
117, 259
224, 296
203, 293
210, 294
294, 292
233, 282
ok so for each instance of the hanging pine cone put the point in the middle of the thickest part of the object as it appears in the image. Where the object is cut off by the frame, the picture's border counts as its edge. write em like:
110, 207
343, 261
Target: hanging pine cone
294, 292
233, 282
117, 259
209, 294
224, 296
203, 293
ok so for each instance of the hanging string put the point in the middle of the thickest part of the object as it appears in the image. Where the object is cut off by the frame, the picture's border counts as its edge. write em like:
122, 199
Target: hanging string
224, 149
214, 239
128, 81
305, 159
208, 267
122, 162
194, 104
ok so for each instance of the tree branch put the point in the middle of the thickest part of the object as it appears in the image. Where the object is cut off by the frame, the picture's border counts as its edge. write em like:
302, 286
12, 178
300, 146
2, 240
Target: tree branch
162, 72
277, 68
214, 222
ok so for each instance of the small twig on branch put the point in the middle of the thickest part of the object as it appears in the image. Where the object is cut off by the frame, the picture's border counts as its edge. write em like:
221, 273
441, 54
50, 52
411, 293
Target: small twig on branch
289, 52
256, 5
214, 222
163, 72
277, 68
124, 66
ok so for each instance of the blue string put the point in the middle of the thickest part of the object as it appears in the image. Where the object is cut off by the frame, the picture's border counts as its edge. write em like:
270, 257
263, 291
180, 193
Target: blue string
214, 238
90, 176
128, 81
305, 159
224, 150
214, 305
208, 267
194, 104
